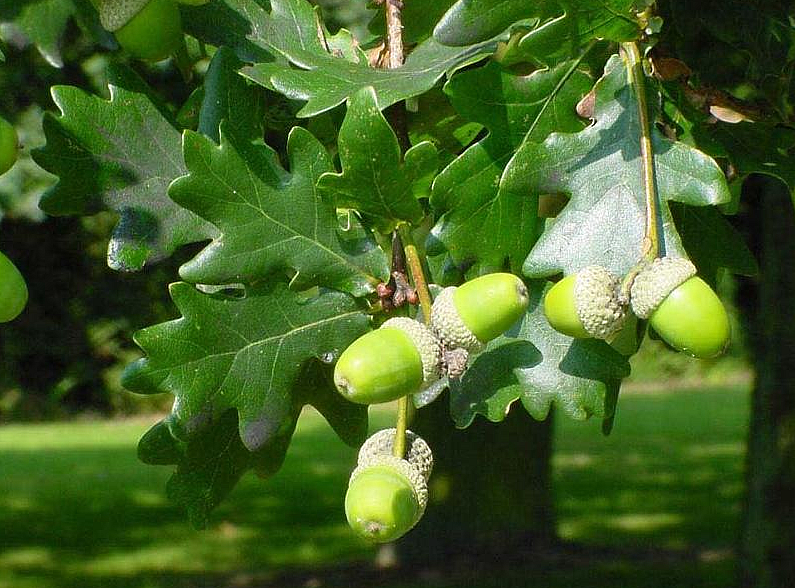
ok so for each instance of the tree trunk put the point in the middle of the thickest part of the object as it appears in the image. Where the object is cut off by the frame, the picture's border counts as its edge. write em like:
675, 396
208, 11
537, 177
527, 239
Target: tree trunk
767, 544
490, 488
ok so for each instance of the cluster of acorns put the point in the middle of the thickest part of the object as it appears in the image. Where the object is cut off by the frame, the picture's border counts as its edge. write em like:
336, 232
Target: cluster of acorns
681, 308
387, 494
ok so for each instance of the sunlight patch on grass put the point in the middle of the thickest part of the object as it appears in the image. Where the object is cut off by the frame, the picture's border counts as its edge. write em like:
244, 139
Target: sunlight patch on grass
644, 521
573, 460
26, 557
717, 450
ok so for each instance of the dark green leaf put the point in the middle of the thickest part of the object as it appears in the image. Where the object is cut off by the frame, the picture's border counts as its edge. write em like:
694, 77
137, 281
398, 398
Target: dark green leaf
242, 25
270, 219
374, 180
558, 27
326, 77
436, 120
755, 148
537, 365
212, 460
712, 242
744, 48
228, 97
514, 108
600, 168
44, 22
243, 353
119, 155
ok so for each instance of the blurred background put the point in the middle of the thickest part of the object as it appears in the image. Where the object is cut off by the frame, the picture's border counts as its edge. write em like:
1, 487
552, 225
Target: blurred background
658, 503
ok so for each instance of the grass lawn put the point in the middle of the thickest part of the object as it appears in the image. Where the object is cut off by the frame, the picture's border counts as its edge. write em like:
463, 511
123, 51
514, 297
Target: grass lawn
654, 505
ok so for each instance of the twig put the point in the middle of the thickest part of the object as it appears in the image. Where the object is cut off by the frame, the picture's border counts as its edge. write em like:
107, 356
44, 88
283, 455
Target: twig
394, 32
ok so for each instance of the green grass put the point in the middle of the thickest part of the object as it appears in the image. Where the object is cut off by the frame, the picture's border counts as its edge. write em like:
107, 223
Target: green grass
656, 504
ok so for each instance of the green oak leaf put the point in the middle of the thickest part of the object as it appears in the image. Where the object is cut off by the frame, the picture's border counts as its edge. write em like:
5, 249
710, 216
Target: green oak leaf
712, 242
242, 353
436, 120
211, 461
228, 97
600, 168
242, 25
556, 25
760, 148
119, 154
374, 180
209, 464
540, 367
328, 81
514, 108
269, 219
44, 22
291, 56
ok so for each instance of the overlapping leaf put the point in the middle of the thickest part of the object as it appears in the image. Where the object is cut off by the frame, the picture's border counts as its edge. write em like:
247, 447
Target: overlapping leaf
44, 22
600, 168
289, 32
211, 461
242, 353
712, 242
374, 180
540, 367
514, 108
556, 26
227, 97
119, 155
270, 219
760, 148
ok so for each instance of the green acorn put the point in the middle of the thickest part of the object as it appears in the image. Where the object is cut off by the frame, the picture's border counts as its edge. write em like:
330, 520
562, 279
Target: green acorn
9, 145
147, 29
13, 290
478, 311
398, 359
387, 495
586, 304
681, 307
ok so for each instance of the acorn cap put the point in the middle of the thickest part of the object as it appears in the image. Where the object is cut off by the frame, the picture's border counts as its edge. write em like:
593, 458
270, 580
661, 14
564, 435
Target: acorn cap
114, 14
426, 343
415, 479
656, 281
448, 325
418, 453
596, 299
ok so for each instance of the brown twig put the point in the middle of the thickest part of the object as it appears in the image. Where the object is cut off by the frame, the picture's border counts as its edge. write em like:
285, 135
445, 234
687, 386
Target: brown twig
394, 32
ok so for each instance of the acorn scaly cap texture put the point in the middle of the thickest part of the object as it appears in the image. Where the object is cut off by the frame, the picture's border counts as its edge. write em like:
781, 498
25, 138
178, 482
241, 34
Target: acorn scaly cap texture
448, 326
596, 299
418, 453
405, 469
656, 281
114, 14
426, 343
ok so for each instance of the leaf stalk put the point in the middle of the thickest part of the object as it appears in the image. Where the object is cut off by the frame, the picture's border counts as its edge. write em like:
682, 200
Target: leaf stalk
651, 241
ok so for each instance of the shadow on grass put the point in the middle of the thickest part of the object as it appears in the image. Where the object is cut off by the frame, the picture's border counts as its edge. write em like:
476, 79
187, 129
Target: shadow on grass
654, 505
